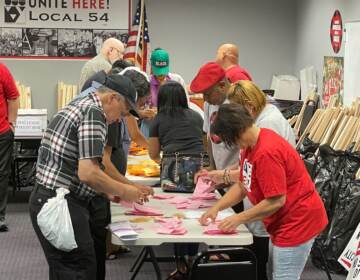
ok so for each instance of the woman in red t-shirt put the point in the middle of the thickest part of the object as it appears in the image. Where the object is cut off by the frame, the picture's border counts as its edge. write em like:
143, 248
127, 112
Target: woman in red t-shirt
274, 178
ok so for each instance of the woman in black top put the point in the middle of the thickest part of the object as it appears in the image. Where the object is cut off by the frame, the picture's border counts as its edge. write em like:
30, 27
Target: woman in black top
176, 128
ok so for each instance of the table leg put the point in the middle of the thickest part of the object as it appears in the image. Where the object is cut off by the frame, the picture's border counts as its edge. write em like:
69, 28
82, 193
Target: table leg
139, 262
154, 262
138, 258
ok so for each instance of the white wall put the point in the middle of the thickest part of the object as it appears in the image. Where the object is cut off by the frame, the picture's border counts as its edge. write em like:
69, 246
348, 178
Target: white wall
313, 31
191, 31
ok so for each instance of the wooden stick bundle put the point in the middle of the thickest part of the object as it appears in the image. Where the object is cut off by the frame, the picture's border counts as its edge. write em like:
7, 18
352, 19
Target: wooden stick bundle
25, 95
66, 93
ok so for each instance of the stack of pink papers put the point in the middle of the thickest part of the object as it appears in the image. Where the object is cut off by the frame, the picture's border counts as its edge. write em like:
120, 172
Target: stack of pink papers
212, 229
203, 196
172, 226
142, 210
178, 200
163, 196
204, 185
193, 204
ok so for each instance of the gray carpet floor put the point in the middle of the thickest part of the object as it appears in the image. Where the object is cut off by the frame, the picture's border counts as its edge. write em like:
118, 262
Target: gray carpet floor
22, 258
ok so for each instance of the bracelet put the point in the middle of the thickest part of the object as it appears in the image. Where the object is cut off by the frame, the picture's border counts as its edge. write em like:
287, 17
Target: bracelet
224, 176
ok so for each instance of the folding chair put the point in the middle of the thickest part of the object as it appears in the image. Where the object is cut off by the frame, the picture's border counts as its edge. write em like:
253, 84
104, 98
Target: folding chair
242, 265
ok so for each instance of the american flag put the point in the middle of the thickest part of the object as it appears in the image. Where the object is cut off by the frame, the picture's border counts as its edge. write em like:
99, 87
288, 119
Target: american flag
138, 46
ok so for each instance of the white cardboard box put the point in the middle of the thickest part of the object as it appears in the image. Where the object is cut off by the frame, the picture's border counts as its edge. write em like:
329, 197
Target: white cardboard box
31, 122
286, 87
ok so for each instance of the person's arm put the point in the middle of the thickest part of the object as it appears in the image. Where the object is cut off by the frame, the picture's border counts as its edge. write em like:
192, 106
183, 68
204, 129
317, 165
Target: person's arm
231, 198
11, 94
13, 106
135, 133
90, 173
112, 171
154, 149
264, 209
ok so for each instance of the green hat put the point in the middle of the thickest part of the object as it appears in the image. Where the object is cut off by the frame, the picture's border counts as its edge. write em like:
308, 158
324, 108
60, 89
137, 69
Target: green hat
159, 62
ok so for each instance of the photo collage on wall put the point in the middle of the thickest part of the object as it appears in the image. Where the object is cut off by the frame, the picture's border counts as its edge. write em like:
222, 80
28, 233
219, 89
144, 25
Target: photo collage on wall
38, 42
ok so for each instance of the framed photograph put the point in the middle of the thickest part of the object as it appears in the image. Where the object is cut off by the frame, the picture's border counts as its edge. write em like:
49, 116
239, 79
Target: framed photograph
100, 35
76, 43
40, 42
10, 41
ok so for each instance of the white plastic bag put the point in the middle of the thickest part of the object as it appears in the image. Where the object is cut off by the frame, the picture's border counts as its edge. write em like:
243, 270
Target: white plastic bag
55, 222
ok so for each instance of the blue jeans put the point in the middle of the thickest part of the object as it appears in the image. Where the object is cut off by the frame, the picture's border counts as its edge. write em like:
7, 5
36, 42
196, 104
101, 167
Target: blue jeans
289, 262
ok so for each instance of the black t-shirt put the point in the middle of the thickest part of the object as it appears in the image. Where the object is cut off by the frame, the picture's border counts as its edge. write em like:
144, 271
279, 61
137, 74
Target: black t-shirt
179, 133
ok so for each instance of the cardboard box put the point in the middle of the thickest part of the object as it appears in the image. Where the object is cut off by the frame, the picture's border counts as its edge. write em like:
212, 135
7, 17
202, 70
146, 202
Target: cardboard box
31, 123
286, 87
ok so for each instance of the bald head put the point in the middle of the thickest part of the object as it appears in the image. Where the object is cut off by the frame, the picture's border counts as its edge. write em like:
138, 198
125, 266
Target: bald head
227, 55
112, 49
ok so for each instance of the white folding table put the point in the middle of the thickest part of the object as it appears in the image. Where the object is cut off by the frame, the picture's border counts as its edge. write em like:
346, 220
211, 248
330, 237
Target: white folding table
148, 236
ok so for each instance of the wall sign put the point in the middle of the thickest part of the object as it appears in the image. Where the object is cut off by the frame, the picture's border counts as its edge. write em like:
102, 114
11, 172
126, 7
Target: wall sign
60, 28
333, 78
336, 31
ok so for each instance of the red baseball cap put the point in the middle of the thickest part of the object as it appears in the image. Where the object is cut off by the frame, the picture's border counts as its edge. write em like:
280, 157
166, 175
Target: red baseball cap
209, 74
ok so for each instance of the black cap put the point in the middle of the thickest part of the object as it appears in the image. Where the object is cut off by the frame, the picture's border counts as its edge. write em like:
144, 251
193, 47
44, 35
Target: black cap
124, 87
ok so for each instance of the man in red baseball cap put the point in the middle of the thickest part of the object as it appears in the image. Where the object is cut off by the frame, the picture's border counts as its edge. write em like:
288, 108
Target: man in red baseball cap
213, 84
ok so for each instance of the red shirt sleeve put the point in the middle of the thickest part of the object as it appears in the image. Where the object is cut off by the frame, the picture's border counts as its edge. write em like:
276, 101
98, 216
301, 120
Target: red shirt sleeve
8, 83
271, 175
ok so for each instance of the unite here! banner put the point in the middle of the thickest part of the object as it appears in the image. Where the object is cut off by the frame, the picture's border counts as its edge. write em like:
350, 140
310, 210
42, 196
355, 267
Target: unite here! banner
91, 14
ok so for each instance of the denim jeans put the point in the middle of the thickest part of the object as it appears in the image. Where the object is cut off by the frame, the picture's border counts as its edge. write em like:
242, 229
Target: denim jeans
289, 262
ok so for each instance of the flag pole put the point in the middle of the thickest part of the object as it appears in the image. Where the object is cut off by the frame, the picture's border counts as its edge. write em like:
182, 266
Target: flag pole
139, 28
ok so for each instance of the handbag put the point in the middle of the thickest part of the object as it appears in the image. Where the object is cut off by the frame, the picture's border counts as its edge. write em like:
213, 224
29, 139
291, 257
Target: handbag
178, 171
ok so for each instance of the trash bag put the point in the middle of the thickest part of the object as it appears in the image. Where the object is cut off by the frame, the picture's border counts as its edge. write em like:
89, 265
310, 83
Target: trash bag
346, 218
55, 222
326, 173
340, 192
307, 148
291, 111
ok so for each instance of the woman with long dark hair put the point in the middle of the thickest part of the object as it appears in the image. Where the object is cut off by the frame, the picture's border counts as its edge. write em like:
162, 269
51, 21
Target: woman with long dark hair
176, 131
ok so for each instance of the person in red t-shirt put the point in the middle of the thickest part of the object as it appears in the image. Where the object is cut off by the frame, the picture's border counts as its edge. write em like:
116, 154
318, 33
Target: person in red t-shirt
274, 178
9, 104
227, 56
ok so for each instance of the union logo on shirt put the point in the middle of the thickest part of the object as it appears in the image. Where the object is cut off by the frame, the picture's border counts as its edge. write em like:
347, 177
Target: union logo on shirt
246, 174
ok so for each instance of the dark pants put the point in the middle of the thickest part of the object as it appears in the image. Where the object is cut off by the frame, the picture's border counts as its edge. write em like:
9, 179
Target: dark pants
186, 249
87, 262
6, 148
260, 247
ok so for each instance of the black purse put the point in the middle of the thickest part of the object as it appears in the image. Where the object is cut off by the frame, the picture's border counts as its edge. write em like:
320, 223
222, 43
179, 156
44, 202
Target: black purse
178, 171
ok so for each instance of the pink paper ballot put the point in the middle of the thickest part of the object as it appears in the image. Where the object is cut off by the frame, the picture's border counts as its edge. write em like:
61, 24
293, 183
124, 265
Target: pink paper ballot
163, 196
204, 185
178, 200
212, 229
170, 226
204, 196
146, 209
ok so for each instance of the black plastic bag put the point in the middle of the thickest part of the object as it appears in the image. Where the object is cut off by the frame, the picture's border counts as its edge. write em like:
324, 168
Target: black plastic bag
307, 148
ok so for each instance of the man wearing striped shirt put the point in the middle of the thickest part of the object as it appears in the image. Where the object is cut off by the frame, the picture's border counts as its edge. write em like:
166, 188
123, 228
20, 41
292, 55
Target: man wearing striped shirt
70, 157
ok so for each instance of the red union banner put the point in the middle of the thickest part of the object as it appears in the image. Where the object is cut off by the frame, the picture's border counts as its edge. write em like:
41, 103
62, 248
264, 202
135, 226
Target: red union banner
336, 31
